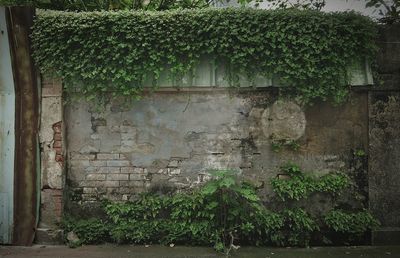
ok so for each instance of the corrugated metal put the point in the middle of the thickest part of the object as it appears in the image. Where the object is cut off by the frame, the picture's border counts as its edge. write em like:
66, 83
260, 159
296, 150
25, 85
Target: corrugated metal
7, 135
207, 74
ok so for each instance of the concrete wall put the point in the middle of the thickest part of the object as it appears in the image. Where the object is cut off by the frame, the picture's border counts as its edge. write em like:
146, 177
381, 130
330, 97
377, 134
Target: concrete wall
171, 140
384, 139
384, 164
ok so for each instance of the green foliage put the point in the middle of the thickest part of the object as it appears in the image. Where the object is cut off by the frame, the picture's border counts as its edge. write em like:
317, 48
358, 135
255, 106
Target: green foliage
300, 4
299, 227
300, 185
180, 218
90, 231
353, 223
223, 213
97, 5
390, 10
359, 153
100, 55
15, 2
332, 183
278, 145
238, 212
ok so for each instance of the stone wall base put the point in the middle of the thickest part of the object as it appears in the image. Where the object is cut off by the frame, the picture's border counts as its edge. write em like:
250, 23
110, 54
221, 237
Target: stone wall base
46, 236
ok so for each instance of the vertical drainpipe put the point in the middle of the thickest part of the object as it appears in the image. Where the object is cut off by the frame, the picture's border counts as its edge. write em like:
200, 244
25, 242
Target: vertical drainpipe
20, 21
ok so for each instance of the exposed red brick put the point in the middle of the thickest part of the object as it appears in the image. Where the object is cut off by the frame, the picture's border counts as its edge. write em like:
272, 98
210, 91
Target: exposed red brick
58, 150
59, 158
57, 137
57, 145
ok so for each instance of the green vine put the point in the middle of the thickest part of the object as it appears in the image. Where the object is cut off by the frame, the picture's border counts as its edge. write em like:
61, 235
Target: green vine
299, 185
100, 55
351, 223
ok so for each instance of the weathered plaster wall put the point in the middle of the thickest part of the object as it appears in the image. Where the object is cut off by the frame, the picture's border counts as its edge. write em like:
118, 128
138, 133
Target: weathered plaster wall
171, 140
384, 139
384, 164
52, 162
388, 62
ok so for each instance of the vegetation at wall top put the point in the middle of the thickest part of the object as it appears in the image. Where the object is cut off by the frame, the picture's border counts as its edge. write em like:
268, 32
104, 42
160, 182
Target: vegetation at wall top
96, 5
104, 54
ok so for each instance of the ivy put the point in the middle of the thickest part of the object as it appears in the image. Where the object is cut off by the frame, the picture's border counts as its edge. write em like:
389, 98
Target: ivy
299, 185
100, 55
350, 223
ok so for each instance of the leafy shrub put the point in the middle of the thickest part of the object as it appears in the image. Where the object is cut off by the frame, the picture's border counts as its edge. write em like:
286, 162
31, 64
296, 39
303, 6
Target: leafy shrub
237, 210
223, 213
91, 5
353, 223
299, 225
89, 231
156, 219
300, 185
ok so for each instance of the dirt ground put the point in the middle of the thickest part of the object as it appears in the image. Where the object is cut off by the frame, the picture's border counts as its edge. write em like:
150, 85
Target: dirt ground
114, 251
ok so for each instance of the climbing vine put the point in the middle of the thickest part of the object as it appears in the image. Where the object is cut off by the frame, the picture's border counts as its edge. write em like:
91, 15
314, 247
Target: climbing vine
107, 54
300, 185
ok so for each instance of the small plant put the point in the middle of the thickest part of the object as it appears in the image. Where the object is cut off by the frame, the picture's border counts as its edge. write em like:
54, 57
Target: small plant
350, 223
278, 145
360, 153
299, 227
332, 183
300, 185
89, 231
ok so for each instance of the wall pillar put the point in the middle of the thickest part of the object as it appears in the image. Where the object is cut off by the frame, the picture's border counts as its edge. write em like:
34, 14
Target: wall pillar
384, 140
52, 163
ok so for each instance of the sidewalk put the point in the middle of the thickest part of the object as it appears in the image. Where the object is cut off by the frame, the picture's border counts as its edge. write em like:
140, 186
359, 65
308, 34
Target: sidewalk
114, 251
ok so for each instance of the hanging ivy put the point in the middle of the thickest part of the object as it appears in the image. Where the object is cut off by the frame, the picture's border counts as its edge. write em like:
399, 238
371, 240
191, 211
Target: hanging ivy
101, 53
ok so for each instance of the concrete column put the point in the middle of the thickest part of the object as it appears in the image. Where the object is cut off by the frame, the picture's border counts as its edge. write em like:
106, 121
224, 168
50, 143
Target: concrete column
52, 162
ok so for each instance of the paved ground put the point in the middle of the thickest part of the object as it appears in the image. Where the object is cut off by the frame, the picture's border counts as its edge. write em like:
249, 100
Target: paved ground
113, 251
